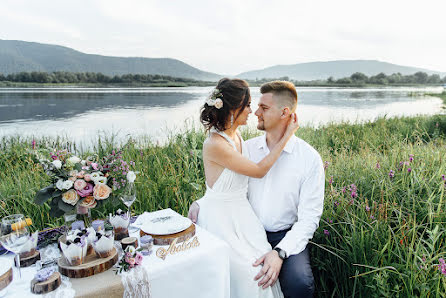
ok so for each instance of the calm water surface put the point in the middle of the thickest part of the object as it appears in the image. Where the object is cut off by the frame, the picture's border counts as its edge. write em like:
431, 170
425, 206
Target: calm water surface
82, 113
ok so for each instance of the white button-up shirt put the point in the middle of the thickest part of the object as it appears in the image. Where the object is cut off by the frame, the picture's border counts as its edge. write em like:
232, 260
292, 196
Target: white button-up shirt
291, 194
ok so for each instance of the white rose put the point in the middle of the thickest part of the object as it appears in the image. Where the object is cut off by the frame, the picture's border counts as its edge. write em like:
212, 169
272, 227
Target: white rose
57, 164
59, 184
74, 159
100, 180
218, 103
67, 184
131, 249
131, 176
83, 162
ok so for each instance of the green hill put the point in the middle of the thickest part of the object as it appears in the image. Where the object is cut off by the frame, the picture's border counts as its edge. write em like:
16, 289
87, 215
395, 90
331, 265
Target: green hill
336, 69
17, 56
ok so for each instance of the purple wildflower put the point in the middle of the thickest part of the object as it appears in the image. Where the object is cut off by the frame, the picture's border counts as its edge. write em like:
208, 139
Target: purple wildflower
411, 157
367, 208
336, 203
326, 164
442, 266
372, 217
353, 188
443, 177
344, 189
354, 194
378, 166
331, 180
33, 144
391, 174
409, 170
326, 232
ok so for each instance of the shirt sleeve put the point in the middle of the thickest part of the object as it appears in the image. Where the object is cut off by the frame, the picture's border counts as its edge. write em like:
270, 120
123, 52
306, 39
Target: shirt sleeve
310, 207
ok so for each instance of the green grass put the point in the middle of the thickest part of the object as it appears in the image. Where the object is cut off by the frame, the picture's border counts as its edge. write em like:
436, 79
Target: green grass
385, 242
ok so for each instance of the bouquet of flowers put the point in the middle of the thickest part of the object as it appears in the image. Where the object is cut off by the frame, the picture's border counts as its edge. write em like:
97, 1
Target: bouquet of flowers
78, 185
131, 258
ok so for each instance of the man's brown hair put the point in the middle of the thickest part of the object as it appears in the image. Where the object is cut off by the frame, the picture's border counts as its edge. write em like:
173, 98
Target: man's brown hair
284, 92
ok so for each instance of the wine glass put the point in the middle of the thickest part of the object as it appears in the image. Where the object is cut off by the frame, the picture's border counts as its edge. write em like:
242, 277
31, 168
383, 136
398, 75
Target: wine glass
128, 196
13, 235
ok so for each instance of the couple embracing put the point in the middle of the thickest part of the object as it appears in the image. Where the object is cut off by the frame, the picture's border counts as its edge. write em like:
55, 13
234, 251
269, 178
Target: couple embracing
264, 196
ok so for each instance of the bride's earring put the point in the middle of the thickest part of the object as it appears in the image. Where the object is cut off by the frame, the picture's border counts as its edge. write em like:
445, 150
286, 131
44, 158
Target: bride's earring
232, 119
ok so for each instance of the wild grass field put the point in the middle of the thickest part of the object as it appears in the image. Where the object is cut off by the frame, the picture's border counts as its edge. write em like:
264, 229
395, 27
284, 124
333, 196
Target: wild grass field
383, 229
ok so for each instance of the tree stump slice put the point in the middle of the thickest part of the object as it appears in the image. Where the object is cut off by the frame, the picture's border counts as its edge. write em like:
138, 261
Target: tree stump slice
168, 239
5, 279
129, 241
28, 261
91, 266
46, 286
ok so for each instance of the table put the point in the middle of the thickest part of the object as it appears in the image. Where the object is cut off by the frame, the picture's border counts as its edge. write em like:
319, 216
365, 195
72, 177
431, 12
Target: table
202, 271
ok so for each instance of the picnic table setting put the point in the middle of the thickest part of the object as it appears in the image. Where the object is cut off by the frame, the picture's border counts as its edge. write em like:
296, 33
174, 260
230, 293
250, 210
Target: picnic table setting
155, 254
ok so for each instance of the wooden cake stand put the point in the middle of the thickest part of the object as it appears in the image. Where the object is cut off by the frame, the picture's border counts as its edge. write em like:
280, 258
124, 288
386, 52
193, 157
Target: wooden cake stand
167, 239
5, 279
92, 265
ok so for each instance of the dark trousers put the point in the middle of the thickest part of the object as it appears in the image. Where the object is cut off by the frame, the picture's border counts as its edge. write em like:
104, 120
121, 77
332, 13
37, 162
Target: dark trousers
296, 278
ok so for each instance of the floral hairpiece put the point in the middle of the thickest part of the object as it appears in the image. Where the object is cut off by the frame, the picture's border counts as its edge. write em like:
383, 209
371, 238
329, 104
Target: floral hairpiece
214, 99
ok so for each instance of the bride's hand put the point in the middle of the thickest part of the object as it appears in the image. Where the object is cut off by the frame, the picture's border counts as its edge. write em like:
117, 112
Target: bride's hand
293, 125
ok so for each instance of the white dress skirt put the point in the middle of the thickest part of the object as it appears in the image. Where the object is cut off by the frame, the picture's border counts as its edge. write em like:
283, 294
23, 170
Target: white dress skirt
225, 212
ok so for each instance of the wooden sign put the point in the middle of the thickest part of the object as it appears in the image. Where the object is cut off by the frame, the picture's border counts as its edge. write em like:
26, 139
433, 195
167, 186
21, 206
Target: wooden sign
176, 248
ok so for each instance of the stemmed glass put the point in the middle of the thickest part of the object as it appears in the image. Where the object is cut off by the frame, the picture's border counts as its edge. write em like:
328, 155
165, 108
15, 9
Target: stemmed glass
13, 235
128, 196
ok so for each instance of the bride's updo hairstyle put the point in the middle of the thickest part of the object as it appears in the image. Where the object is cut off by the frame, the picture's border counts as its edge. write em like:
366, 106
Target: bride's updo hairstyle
234, 94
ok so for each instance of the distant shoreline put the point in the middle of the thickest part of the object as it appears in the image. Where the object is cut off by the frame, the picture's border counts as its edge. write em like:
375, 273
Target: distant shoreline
4, 85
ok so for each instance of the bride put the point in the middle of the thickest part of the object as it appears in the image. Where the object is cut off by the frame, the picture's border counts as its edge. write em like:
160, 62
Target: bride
224, 209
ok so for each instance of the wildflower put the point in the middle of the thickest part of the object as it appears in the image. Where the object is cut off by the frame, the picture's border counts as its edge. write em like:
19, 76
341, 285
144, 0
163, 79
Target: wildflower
378, 166
409, 170
326, 164
344, 189
443, 177
336, 203
442, 266
411, 157
353, 188
372, 217
351, 202
326, 232
391, 174
367, 208
33, 144
141, 153
354, 194
331, 180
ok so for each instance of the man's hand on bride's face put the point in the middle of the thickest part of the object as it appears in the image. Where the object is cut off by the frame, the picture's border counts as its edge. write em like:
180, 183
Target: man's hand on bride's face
272, 264
194, 209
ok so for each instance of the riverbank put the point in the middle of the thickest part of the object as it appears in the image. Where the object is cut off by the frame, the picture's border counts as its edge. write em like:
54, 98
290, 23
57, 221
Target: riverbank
383, 226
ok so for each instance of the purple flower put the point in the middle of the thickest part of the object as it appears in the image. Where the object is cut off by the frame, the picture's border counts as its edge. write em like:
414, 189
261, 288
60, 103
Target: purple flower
33, 144
353, 188
442, 266
344, 189
372, 217
331, 180
409, 170
391, 174
378, 166
326, 232
354, 194
336, 203
411, 157
443, 177
326, 164
367, 208
88, 190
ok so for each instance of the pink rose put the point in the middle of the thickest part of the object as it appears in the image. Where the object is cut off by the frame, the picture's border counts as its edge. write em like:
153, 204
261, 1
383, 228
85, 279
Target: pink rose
86, 191
138, 258
94, 165
80, 174
72, 179
80, 184
88, 202
87, 177
101, 191
131, 261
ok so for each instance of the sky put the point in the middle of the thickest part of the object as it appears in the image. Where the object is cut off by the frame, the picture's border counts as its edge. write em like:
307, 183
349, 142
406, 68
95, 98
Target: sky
232, 36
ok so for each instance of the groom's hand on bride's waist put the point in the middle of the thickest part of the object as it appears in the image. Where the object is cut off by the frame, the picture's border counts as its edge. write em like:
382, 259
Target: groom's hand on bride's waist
272, 264
194, 209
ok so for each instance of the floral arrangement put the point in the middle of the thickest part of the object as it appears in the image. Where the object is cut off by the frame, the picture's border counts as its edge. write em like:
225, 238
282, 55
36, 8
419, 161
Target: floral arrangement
78, 185
131, 258
214, 99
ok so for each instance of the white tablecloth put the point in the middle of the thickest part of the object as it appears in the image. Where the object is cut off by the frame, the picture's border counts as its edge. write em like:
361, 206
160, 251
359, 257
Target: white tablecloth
202, 271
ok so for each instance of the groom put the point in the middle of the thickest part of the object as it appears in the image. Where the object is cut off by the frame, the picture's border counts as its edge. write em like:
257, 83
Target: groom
288, 200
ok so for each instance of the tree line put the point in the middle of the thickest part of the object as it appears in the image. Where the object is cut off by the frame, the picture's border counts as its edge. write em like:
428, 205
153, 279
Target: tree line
92, 77
360, 79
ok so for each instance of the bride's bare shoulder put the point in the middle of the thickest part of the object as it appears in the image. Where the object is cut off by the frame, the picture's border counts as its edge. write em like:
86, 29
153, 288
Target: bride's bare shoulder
214, 143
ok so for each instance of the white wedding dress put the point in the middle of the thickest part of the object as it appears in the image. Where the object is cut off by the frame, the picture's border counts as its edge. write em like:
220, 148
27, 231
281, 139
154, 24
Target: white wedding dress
225, 212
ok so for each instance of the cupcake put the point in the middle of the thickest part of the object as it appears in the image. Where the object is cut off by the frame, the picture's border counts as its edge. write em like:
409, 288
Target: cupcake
74, 250
91, 237
30, 246
120, 222
104, 244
